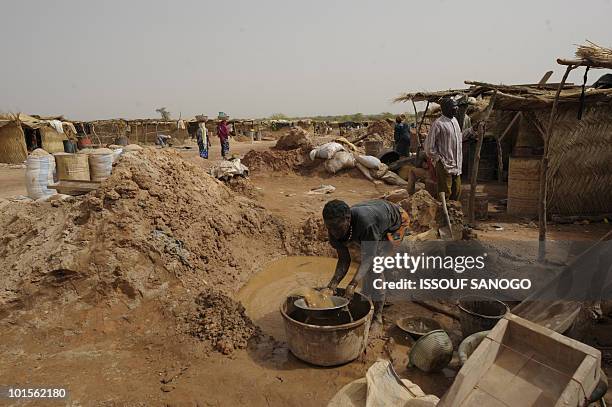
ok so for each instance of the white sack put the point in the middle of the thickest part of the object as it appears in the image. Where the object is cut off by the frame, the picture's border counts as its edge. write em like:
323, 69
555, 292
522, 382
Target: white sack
39, 174
340, 161
368, 161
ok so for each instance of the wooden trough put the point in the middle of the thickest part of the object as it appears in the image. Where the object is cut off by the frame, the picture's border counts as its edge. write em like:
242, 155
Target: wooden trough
522, 363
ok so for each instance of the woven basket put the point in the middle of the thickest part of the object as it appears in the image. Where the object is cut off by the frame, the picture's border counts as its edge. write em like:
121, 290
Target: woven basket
72, 167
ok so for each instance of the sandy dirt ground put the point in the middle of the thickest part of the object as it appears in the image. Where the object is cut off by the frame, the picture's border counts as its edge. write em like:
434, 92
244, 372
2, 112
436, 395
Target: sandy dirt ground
12, 181
113, 353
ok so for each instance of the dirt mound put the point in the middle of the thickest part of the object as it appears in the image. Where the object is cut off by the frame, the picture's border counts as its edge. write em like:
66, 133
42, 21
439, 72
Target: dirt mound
426, 212
379, 130
384, 131
222, 321
313, 238
296, 138
157, 225
243, 186
276, 160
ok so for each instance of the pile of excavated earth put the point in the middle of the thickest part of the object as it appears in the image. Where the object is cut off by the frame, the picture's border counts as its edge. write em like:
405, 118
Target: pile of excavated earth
276, 160
158, 227
289, 154
159, 224
379, 130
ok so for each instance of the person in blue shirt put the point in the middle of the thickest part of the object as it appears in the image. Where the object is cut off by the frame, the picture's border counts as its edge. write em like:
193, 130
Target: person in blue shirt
401, 136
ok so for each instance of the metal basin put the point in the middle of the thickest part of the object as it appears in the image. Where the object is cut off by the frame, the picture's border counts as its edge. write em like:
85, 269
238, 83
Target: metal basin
478, 313
418, 326
328, 342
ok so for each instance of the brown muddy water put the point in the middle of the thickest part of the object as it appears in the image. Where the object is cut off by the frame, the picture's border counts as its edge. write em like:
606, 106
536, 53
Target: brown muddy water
263, 295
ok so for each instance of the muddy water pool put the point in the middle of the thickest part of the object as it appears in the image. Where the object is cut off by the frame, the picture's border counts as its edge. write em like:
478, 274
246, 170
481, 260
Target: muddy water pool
264, 293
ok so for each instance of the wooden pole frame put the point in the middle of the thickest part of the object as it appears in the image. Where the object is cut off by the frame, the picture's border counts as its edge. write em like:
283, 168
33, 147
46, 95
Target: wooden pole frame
418, 130
498, 140
481, 133
544, 169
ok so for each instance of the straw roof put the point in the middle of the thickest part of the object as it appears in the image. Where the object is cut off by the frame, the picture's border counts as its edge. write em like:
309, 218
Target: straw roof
26, 120
433, 97
594, 55
517, 97
535, 99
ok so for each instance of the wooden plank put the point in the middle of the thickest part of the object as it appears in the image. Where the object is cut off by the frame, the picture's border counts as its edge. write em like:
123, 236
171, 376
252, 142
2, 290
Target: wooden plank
75, 187
545, 78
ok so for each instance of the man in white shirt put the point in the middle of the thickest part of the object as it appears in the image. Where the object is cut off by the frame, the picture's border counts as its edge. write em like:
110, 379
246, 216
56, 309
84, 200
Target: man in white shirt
443, 147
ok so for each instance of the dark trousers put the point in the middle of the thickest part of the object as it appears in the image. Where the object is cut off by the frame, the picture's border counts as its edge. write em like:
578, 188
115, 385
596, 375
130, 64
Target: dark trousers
448, 183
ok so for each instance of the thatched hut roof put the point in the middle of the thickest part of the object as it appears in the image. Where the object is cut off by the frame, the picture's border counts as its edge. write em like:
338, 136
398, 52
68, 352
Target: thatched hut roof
591, 55
433, 97
26, 120
521, 98
518, 97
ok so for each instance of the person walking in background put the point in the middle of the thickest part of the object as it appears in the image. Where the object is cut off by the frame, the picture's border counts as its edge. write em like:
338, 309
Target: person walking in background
202, 139
401, 136
223, 133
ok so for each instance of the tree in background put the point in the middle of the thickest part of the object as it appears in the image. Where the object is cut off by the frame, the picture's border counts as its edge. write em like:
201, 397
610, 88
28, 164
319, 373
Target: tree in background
357, 117
278, 116
164, 113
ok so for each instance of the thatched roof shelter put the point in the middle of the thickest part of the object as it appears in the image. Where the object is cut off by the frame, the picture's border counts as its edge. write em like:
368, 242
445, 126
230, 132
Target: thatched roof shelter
579, 145
13, 142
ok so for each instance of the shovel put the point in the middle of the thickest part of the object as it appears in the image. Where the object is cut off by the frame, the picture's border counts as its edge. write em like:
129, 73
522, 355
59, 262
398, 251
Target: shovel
445, 232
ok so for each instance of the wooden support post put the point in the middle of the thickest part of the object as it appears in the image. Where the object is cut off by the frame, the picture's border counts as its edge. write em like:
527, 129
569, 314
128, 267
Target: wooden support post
481, 134
418, 130
534, 121
500, 157
416, 120
544, 170
500, 161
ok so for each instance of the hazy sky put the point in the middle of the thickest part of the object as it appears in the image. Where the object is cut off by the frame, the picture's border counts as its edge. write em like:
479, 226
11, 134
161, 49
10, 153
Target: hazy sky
106, 59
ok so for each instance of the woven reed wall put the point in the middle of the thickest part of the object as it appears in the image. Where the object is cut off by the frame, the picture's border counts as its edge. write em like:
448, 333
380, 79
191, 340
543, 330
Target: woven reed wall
141, 134
13, 149
107, 132
52, 141
580, 180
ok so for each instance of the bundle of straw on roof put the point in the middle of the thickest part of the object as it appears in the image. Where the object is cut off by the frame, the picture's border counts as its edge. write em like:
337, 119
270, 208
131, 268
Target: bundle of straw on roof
596, 54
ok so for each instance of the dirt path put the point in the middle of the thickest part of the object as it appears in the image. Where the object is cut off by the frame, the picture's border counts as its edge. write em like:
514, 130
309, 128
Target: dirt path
12, 182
